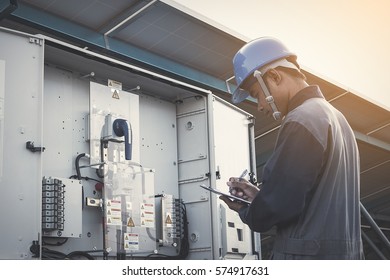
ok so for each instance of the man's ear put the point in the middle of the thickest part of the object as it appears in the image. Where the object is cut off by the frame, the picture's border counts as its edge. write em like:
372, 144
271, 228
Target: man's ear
274, 76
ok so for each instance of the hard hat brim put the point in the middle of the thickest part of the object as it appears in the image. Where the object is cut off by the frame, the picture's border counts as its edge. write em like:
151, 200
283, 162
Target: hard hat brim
239, 95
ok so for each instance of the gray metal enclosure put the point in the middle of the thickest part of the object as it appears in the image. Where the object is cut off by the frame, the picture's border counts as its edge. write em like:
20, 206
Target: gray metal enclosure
65, 176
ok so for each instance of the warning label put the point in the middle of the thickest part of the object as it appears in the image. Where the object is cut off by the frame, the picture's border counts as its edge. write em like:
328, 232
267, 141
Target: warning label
131, 241
168, 220
113, 212
147, 215
114, 84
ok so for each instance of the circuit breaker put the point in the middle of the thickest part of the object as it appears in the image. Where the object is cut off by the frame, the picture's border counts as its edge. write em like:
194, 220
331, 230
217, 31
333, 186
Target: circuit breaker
108, 105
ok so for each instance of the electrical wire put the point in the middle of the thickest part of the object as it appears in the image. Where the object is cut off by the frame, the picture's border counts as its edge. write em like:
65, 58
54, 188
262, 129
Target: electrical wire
76, 255
79, 177
185, 244
56, 255
78, 171
77, 165
49, 254
58, 243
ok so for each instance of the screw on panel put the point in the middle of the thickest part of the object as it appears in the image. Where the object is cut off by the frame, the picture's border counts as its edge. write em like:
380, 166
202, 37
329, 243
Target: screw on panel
194, 237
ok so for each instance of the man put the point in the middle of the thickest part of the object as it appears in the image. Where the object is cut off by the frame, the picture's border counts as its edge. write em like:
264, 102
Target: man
310, 187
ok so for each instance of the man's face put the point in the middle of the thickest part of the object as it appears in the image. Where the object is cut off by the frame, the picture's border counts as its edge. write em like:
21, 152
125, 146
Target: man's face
256, 92
277, 92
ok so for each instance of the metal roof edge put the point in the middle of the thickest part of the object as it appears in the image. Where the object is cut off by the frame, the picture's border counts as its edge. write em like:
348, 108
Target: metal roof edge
347, 89
79, 35
205, 19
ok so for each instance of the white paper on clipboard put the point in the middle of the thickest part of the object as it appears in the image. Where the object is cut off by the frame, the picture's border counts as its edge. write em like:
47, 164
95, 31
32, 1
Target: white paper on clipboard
225, 194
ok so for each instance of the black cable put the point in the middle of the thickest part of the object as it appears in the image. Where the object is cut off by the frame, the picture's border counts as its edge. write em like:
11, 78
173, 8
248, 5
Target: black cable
77, 165
78, 172
92, 179
79, 177
54, 244
184, 244
77, 254
48, 254
86, 178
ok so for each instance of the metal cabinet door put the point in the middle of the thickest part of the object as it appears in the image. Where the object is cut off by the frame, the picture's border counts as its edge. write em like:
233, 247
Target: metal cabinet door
232, 154
21, 89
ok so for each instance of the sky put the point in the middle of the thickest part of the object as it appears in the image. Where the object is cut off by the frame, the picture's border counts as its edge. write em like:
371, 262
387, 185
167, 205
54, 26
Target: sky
346, 42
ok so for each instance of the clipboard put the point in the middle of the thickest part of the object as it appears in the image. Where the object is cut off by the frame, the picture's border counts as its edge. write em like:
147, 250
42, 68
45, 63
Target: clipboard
225, 194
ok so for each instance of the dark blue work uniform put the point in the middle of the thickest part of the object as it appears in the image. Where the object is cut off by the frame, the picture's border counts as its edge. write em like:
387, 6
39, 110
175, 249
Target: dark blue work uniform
311, 184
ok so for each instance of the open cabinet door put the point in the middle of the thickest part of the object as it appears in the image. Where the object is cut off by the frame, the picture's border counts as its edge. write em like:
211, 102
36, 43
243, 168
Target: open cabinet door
21, 89
232, 156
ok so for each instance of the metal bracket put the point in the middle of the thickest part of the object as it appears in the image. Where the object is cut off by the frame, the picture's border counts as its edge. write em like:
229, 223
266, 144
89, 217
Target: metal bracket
217, 175
251, 119
30, 146
36, 41
94, 202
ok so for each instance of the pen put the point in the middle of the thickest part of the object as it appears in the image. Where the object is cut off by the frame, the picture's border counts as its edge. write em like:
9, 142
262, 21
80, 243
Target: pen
243, 174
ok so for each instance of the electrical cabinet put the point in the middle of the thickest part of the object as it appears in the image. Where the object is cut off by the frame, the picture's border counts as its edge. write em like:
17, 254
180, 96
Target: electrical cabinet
102, 159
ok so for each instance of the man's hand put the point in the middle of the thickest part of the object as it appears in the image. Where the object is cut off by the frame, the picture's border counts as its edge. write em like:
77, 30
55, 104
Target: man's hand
241, 188
234, 205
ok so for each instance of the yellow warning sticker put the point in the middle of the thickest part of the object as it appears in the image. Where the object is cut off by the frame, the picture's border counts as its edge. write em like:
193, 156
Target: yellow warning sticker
115, 94
168, 220
130, 222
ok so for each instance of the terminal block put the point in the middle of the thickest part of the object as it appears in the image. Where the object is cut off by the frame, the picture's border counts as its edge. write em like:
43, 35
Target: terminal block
172, 221
53, 191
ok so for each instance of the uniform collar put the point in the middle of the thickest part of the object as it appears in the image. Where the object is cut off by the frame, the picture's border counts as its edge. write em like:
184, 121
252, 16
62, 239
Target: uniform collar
303, 95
